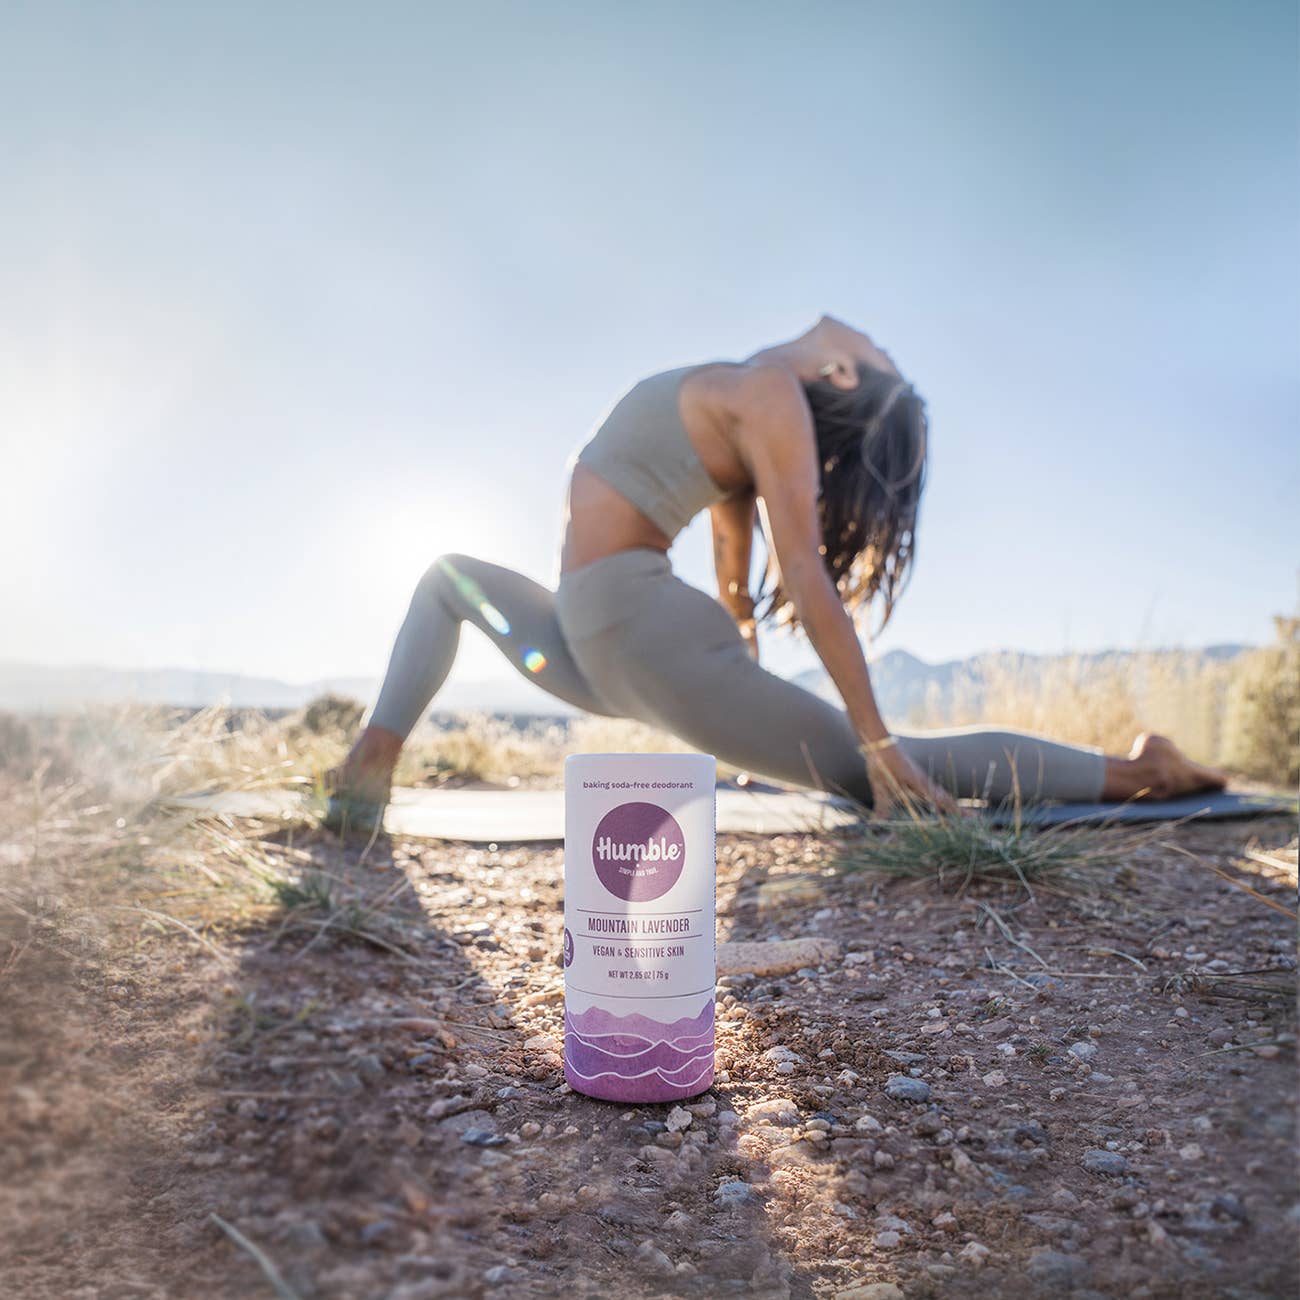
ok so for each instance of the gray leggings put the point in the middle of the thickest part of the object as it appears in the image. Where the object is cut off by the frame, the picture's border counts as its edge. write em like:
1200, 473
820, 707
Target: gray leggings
623, 636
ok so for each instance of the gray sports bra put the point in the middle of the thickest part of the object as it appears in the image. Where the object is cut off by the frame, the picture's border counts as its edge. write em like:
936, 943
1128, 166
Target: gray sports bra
642, 450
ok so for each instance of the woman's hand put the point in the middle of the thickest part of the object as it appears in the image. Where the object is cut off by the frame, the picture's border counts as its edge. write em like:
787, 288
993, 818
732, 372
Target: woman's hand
749, 633
895, 778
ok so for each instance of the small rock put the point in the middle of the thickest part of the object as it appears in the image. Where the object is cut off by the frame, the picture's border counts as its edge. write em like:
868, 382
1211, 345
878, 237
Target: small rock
733, 1192
678, 1118
1228, 1206
867, 1124
869, 1291
651, 1257
1110, 1163
928, 1124
902, 1087
465, 1120
888, 1239
530, 1128
974, 1253
1083, 1051
498, 1274
883, 1160
1032, 1132
995, 1079
370, 1067
782, 1055
378, 1231
1054, 1267
1192, 1151
481, 1137
776, 1110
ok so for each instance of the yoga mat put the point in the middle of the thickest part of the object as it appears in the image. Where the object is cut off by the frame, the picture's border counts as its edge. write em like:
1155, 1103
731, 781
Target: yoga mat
537, 816
1218, 806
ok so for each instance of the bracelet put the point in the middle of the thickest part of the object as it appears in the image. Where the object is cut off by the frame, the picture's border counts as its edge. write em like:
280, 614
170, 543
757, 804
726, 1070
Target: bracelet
875, 746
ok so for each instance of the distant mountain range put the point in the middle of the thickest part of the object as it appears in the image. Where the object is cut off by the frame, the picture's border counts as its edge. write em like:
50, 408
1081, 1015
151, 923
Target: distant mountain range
903, 685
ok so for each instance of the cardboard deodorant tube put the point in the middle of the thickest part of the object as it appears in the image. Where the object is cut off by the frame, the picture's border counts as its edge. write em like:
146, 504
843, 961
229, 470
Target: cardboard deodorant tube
640, 959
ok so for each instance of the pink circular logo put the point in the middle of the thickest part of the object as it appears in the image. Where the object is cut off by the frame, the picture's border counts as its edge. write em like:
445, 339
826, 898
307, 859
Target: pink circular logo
638, 851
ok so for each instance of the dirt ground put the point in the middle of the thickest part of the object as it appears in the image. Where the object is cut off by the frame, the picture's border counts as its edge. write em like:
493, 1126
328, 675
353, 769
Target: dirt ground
1093, 1119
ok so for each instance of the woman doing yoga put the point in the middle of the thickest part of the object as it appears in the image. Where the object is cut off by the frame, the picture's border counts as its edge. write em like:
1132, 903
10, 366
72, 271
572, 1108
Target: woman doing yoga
825, 440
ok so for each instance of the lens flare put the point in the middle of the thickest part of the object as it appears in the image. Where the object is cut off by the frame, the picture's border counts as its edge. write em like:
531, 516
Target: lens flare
534, 660
474, 594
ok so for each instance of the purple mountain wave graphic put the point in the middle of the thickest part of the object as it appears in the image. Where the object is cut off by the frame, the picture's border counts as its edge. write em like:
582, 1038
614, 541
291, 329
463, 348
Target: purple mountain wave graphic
596, 1020
637, 1058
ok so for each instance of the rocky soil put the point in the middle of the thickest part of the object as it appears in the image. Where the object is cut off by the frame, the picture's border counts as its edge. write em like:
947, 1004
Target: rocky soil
985, 1095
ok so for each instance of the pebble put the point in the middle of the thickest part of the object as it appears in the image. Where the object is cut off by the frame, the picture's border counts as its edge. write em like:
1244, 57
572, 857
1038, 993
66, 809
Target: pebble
465, 1120
867, 1124
649, 1255
1192, 1151
1097, 1161
370, 1067
481, 1137
735, 1191
776, 1110
888, 1239
1083, 1051
1228, 1206
974, 1253
870, 1291
928, 1124
902, 1087
995, 1079
529, 1128
883, 1160
1032, 1132
782, 1054
678, 1118
1054, 1267
498, 1274
380, 1230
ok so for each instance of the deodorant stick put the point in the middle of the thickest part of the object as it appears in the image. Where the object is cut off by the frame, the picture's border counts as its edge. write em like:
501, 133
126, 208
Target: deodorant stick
639, 941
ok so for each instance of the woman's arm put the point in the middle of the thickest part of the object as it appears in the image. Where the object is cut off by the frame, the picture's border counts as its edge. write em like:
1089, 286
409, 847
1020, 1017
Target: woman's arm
776, 437
733, 541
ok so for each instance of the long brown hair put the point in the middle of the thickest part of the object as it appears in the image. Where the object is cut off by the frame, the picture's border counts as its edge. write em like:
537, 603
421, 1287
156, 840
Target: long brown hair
871, 445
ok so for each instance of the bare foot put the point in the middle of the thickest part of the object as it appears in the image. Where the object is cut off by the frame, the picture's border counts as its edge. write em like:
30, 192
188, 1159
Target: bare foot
367, 771
1166, 772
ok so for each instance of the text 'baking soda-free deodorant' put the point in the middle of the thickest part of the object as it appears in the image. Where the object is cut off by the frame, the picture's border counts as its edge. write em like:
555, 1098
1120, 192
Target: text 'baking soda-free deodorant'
639, 955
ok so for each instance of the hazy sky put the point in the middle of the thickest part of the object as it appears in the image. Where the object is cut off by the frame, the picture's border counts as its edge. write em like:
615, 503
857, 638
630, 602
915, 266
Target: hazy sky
295, 297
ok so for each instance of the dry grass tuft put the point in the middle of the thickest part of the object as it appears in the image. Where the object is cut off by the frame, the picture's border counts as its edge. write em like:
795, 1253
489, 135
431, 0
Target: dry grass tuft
1242, 713
957, 849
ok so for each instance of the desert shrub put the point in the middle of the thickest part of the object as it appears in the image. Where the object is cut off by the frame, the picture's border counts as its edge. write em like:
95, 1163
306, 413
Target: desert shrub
1262, 714
332, 715
15, 744
1091, 700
